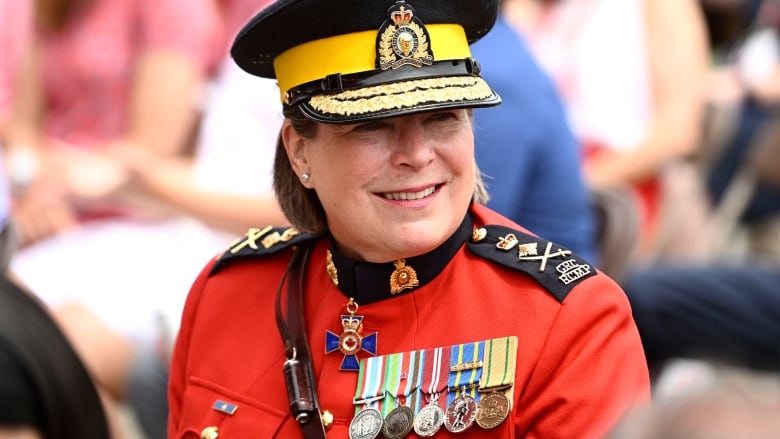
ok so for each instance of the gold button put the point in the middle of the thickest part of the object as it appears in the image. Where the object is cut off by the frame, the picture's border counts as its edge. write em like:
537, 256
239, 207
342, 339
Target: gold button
209, 433
327, 419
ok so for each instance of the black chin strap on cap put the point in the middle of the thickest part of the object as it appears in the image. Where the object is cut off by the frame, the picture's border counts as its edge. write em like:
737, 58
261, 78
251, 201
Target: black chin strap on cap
298, 368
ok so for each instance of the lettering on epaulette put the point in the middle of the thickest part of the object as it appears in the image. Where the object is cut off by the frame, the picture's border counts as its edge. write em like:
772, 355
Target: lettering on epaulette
521, 251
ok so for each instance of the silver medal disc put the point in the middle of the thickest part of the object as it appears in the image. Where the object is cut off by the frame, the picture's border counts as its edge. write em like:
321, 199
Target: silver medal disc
367, 424
460, 414
398, 423
429, 420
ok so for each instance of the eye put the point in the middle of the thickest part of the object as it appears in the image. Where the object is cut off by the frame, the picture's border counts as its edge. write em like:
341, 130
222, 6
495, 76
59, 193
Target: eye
443, 116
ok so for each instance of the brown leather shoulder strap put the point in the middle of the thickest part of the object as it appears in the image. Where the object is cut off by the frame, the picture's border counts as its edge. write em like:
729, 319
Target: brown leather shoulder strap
298, 369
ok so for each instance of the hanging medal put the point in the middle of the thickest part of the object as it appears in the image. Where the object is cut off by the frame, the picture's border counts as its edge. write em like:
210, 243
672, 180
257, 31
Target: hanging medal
496, 387
368, 420
436, 365
465, 372
399, 418
351, 341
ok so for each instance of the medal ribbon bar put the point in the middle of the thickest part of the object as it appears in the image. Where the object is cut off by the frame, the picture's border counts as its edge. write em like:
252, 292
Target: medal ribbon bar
460, 377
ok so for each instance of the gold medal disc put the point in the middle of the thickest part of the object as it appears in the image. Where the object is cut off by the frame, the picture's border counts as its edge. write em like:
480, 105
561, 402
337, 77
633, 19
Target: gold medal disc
493, 410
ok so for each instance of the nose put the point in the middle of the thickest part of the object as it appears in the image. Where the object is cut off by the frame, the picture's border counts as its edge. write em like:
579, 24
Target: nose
413, 147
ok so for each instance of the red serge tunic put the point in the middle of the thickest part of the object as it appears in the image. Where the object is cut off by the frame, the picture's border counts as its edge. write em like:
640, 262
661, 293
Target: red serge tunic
580, 364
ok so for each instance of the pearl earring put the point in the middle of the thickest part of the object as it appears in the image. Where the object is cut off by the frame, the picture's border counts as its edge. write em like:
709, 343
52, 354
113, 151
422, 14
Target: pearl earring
305, 177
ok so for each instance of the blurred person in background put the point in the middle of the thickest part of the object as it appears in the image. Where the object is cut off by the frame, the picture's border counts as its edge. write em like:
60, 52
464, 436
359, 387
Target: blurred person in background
525, 147
45, 390
725, 309
97, 143
632, 75
14, 38
722, 402
741, 157
724, 312
101, 75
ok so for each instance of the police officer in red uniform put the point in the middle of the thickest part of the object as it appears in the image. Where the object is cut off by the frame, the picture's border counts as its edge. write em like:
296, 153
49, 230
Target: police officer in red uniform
398, 305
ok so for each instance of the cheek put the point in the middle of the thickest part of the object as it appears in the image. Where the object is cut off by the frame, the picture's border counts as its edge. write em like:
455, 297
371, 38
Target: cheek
347, 164
459, 155
340, 176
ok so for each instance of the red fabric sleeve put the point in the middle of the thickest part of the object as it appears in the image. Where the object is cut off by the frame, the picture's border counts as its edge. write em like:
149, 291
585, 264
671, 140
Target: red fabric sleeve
179, 361
592, 362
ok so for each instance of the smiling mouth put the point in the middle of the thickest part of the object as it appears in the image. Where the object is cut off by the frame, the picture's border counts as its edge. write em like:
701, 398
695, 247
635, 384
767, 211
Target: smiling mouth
406, 196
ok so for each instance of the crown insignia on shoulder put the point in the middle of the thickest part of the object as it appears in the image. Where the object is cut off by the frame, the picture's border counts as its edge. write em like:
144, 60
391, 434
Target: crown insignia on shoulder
403, 39
531, 255
261, 242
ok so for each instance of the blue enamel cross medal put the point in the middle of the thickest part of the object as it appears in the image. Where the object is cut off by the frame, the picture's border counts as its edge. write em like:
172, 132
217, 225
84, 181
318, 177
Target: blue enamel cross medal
351, 341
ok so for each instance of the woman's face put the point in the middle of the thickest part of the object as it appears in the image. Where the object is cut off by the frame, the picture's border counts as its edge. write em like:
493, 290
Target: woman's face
393, 188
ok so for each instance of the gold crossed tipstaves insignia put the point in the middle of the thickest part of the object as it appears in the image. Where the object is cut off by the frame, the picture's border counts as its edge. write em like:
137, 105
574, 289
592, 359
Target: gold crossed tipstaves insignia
548, 253
255, 234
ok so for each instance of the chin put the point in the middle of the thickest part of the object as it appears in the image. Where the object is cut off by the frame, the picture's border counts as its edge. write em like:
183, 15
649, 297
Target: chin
418, 240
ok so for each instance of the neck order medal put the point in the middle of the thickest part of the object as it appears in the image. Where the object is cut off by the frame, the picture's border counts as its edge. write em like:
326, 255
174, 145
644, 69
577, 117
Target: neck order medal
351, 341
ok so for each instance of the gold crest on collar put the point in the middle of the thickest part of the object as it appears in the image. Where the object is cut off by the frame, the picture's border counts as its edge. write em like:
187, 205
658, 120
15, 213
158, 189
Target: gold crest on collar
403, 39
403, 277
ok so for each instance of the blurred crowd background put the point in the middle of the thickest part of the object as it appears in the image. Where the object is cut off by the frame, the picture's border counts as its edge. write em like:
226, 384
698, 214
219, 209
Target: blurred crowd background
643, 134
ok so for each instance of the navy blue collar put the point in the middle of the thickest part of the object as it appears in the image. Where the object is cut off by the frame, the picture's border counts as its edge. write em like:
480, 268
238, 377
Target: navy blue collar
369, 282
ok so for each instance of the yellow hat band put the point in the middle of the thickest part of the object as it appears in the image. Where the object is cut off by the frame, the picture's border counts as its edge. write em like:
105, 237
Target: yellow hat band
355, 53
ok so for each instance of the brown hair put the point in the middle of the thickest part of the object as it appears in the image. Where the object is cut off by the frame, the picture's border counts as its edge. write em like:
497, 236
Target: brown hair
301, 205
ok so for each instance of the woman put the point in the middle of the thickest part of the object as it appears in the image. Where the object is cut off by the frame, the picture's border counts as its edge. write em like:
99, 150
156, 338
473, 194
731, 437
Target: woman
393, 269
45, 391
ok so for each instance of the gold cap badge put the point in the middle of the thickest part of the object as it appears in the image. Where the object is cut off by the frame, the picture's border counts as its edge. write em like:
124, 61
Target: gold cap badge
403, 39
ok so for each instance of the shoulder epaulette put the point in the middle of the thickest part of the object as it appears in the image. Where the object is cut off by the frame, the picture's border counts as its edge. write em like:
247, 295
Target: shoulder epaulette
261, 242
555, 268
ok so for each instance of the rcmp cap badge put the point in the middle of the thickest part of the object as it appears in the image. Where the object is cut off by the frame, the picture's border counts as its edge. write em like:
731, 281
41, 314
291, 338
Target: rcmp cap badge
403, 39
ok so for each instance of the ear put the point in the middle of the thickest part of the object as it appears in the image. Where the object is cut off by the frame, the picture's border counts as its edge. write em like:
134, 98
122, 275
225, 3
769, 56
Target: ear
294, 145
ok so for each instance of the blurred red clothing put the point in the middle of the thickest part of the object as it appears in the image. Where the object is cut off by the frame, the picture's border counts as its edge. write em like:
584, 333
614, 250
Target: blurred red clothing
15, 17
236, 13
87, 68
